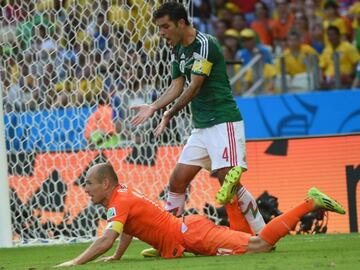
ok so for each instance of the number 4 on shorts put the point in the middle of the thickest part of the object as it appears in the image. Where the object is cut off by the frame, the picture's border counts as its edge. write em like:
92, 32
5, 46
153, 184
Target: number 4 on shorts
225, 154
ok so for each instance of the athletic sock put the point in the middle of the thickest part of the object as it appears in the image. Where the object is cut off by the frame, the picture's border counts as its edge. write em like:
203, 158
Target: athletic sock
281, 225
175, 203
250, 210
236, 218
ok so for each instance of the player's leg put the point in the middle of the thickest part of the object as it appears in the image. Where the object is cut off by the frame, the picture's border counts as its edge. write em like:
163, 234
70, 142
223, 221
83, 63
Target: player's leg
226, 147
205, 238
230, 153
236, 218
179, 181
194, 156
246, 203
281, 225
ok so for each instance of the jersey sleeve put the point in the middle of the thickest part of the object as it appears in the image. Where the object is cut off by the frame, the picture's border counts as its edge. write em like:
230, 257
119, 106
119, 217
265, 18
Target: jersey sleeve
205, 55
118, 211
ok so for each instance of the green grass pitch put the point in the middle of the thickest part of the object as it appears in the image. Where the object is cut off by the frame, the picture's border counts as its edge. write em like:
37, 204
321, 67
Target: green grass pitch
338, 251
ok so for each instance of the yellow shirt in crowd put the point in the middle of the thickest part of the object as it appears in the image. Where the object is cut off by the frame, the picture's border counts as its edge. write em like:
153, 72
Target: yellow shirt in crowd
348, 59
296, 64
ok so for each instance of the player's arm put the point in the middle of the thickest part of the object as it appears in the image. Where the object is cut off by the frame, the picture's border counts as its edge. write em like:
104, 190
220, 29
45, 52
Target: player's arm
183, 100
173, 91
145, 111
124, 243
125, 240
100, 246
188, 94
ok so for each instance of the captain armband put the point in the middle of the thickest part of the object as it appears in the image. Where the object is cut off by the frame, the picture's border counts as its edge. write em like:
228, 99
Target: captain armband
202, 66
116, 226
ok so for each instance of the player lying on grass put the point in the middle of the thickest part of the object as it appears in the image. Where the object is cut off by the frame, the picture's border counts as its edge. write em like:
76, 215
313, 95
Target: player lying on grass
130, 213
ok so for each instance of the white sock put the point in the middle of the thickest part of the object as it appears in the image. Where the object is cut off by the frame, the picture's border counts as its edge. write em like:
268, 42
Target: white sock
175, 203
250, 210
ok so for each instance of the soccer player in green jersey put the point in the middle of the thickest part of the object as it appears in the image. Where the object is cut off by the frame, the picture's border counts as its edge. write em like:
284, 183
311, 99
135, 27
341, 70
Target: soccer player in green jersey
217, 142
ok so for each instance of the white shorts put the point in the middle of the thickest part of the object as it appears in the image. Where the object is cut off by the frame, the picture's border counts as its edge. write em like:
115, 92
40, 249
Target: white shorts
216, 147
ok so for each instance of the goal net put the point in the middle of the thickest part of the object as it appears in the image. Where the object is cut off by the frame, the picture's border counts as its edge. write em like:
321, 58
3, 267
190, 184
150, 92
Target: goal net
69, 72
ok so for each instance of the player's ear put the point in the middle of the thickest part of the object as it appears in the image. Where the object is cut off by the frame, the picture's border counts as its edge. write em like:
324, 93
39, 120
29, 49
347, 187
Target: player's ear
106, 182
181, 23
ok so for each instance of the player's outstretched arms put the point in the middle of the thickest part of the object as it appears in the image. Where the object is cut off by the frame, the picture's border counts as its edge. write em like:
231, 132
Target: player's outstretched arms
100, 246
145, 111
161, 127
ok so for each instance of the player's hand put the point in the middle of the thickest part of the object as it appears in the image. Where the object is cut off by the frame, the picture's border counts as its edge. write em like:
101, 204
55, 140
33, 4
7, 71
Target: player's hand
107, 259
66, 264
161, 127
145, 111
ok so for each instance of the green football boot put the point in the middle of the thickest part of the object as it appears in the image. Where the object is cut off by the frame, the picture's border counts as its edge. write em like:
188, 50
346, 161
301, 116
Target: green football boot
324, 201
230, 185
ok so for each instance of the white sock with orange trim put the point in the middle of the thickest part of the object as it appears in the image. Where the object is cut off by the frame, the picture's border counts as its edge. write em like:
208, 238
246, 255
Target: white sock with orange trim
175, 203
250, 210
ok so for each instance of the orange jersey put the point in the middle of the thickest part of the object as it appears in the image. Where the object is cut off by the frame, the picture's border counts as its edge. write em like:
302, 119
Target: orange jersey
146, 220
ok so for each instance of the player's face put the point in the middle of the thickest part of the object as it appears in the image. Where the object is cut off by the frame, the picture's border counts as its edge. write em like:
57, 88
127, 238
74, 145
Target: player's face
95, 189
294, 43
169, 30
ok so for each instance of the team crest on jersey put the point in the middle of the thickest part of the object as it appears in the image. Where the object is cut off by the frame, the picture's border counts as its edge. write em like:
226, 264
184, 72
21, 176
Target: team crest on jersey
111, 212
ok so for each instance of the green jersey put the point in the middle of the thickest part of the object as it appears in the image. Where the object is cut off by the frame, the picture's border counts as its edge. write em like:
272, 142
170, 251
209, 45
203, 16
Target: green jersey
214, 103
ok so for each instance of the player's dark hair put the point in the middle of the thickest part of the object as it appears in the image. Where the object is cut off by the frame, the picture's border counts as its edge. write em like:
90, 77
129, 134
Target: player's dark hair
334, 29
175, 11
331, 4
294, 33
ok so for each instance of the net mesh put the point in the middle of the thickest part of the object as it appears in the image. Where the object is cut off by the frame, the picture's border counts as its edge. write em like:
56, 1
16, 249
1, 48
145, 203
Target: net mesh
70, 70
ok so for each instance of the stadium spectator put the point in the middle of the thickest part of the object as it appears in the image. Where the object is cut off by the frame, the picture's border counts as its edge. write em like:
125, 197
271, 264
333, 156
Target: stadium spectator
333, 18
238, 22
22, 96
25, 30
220, 27
232, 40
312, 16
227, 12
299, 60
199, 78
100, 129
131, 214
317, 38
233, 69
261, 70
348, 58
250, 48
247, 8
136, 92
297, 56
302, 27
263, 23
282, 24
103, 41
354, 11
202, 17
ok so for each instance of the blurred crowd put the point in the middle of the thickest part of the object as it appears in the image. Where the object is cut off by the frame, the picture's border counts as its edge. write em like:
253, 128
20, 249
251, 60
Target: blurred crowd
295, 39
58, 53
